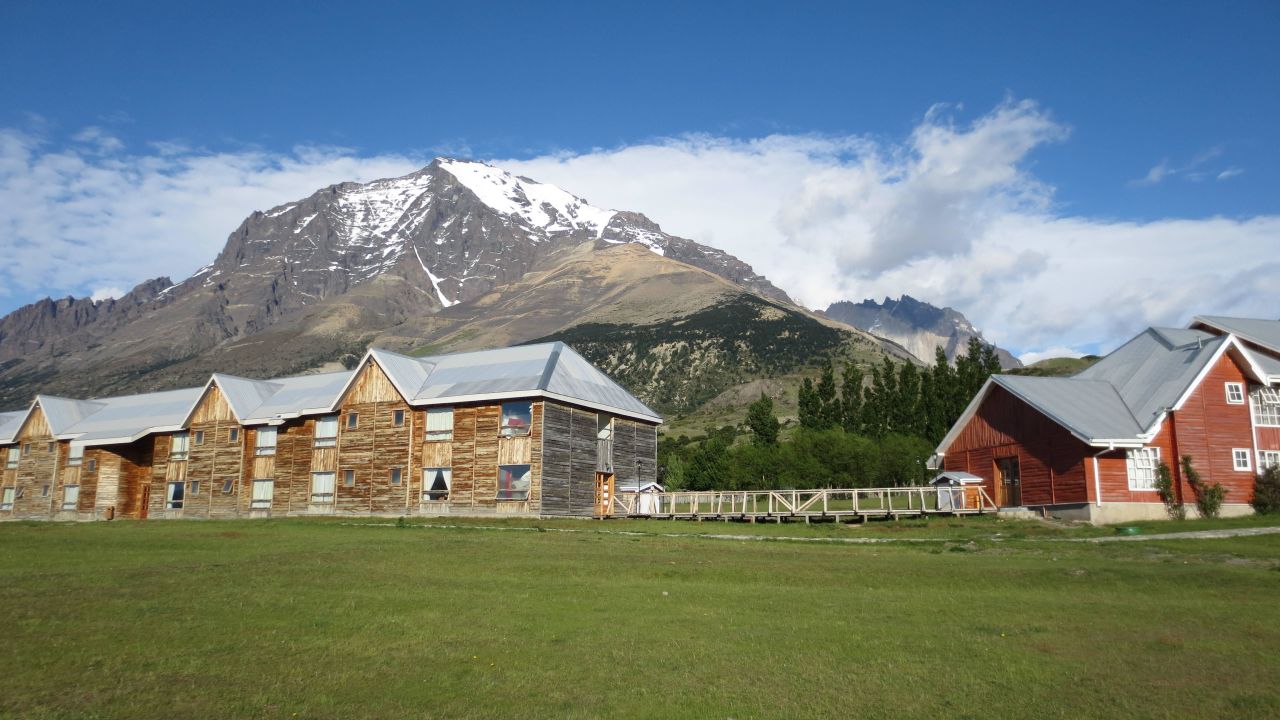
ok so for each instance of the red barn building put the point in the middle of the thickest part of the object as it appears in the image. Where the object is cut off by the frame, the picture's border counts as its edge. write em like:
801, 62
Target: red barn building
1089, 446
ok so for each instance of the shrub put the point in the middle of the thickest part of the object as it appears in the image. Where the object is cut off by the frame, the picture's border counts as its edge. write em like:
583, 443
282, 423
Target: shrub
1169, 494
1209, 497
1266, 491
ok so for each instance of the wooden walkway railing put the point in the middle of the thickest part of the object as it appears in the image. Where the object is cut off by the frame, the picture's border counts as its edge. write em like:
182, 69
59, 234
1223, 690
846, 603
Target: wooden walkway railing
808, 504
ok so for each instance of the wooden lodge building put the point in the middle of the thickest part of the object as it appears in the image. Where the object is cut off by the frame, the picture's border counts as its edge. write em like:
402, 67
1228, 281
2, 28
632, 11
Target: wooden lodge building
1089, 446
532, 430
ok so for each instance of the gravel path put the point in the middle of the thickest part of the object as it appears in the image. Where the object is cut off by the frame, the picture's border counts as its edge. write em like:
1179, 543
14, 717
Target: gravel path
1193, 535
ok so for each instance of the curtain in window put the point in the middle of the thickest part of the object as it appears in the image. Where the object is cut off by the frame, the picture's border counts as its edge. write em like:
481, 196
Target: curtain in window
440, 424
263, 492
266, 442
178, 450
513, 482
516, 418
322, 487
436, 483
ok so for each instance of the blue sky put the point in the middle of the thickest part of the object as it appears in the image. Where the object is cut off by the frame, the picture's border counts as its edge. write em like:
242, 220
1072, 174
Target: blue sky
1160, 112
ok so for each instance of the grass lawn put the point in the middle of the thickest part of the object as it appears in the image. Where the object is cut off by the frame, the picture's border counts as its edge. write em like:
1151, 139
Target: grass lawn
327, 619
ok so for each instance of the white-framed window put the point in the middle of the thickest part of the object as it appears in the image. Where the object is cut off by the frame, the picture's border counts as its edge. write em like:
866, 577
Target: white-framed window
348, 478
233, 434
75, 455
265, 443
397, 418
322, 487
6, 499
1142, 464
327, 431
26, 449
195, 487
1235, 393
1240, 460
70, 497
513, 482
176, 494
199, 437
263, 492
517, 418
439, 424
436, 483
179, 449
1266, 406
1268, 459
353, 420
12, 461
396, 475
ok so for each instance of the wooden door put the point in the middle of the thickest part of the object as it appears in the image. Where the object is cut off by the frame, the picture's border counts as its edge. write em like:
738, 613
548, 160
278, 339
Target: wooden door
1008, 482
146, 502
604, 494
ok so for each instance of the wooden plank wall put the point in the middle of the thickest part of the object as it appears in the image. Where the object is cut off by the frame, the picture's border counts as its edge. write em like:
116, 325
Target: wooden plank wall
646, 452
556, 458
625, 467
37, 468
582, 471
213, 461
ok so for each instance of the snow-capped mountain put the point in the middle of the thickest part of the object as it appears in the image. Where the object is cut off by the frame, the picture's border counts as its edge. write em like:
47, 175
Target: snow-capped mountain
458, 253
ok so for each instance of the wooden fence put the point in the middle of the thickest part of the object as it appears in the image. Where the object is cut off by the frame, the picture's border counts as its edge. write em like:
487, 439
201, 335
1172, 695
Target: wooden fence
828, 503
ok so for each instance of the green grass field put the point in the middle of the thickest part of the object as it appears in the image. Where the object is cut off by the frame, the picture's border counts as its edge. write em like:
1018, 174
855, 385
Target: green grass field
326, 619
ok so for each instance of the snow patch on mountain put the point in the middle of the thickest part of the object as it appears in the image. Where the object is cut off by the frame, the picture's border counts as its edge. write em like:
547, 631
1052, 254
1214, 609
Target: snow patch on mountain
539, 204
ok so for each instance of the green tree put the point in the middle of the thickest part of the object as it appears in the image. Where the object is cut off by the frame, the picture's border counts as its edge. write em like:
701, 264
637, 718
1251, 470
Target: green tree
851, 399
829, 416
902, 460
763, 421
810, 406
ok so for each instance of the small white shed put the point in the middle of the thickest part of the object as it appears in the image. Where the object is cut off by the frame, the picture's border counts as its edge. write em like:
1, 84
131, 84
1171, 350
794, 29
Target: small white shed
647, 500
957, 490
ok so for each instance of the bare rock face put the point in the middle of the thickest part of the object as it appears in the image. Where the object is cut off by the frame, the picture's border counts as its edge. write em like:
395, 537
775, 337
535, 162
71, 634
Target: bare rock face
294, 287
919, 327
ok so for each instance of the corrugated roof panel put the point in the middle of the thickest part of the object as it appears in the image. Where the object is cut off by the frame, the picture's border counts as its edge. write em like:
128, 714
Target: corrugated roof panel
1261, 332
10, 424
304, 393
1154, 369
1092, 409
130, 415
245, 395
61, 413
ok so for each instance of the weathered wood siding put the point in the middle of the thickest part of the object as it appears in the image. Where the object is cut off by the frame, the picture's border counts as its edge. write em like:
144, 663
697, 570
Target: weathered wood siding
582, 473
1051, 460
37, 469
556, 458
214, 460
374, 446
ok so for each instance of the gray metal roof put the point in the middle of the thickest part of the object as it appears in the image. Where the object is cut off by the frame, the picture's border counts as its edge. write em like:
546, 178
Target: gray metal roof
10, 424
551, 369
1092, 409
1260, 332
1154, 369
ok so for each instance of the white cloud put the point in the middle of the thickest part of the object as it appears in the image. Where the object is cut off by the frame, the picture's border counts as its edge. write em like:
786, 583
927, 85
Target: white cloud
107, 293
1049, 354
1156, 174
951, 214
1230, 173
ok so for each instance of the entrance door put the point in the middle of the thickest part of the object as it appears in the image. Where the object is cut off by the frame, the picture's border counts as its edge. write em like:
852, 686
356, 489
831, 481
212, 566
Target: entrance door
146, 501
604, 494
1008, 482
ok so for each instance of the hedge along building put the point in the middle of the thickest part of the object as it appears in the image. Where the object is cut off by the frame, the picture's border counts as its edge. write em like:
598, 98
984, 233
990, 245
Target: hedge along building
1090, 445
533, 430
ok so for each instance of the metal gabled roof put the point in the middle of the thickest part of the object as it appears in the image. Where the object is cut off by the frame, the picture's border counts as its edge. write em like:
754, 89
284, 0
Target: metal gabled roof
129, 417
547, 369
243, 394
1152, 371
10, 424
1091, 409
1265, 333
300, 395
61, 413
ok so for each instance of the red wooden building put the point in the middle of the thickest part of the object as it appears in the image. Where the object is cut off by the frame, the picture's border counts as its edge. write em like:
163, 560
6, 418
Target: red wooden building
1089, 446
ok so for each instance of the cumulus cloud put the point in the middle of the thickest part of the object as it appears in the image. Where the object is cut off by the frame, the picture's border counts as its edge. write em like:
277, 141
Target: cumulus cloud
950, 214
1049, 354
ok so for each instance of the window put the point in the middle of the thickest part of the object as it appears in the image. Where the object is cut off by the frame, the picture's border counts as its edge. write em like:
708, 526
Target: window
233, 434
26, 449
1268, 459
1142, 464
348, 478
396, 473
263, 492
353, 420
1266, 406
322, 487
516, 418
52, 446
195, 488
265, 444
6, 499
70, 497
75, 456
173, 500
1240, 460
1235, 393
228, 486
436, 483
44, 491
12, 462
327, 431
440, 424
199, 437
397, 418
21, 491
513, 482
92, 466
178, 449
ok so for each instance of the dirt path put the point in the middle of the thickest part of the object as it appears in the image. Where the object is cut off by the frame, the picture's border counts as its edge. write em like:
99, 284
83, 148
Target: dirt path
1193, 535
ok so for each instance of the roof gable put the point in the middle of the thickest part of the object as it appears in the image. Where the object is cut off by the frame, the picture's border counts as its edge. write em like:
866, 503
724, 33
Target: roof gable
1264, 333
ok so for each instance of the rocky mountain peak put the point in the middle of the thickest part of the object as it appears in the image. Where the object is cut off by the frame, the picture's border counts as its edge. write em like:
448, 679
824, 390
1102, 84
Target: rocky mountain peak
916, 325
